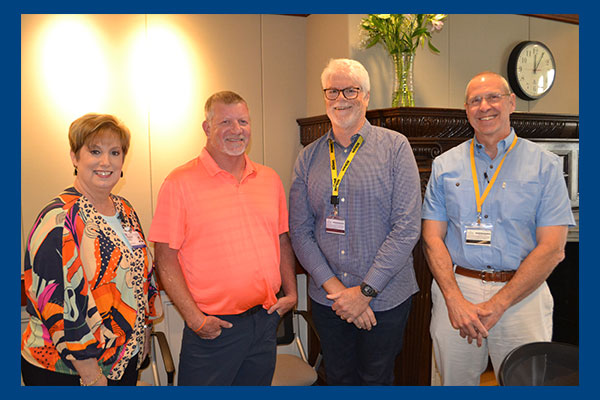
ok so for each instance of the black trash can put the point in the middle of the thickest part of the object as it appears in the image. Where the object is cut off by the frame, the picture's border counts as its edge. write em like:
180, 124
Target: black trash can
541, 364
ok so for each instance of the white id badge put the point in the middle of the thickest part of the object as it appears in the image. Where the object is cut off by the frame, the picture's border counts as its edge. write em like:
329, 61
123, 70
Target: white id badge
335, 225
478, 234
135, 239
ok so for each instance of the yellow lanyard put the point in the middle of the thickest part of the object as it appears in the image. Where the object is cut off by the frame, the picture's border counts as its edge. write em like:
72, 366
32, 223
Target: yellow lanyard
335, 178
480, 199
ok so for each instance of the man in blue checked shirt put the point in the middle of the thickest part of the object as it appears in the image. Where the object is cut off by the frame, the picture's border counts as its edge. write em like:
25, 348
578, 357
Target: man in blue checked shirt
355, 210
495, 220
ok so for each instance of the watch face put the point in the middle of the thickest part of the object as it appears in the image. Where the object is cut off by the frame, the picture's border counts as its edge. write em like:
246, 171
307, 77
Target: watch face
367, 290
532, 70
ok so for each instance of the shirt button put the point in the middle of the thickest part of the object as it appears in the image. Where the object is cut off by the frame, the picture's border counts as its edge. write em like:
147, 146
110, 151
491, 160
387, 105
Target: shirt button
343, 252
491, 166
457, 183
343, 199
345, 151
488, 267
345, 274
485, 216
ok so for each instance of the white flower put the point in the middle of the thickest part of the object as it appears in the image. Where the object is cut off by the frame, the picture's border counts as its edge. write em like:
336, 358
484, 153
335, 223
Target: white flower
400, 33
435, 26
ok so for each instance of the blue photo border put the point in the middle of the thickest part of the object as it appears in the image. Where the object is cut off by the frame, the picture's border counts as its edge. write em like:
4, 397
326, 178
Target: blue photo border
11, 242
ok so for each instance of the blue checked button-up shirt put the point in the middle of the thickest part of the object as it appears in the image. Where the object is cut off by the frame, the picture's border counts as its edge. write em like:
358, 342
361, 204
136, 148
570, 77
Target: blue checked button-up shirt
530, 191
380, 201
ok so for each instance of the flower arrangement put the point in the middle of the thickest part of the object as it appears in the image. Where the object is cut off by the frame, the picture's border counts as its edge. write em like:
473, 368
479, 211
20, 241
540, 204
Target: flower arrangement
401, 34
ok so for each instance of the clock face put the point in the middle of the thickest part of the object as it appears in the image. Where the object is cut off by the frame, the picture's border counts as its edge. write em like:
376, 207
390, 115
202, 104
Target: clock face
531, 70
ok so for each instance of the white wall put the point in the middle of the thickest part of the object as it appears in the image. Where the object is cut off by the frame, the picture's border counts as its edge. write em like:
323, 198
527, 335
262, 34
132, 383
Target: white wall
284, 91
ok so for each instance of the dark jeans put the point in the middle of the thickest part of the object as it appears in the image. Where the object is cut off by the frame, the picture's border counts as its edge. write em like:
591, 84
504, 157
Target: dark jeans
355, 356
35, 376
242, 355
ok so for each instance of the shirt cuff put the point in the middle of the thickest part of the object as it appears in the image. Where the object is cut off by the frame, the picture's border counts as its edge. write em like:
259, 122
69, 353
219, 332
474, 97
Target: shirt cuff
376, 280
321, 274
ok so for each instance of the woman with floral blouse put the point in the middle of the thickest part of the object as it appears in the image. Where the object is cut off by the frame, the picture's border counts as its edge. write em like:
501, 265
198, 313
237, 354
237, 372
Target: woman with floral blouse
88, 273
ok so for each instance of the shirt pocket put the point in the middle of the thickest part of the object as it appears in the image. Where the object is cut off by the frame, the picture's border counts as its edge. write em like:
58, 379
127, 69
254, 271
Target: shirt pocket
460, 199
519, 200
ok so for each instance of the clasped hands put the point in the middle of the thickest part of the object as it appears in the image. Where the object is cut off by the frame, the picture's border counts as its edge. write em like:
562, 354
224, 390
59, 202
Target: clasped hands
473, 321
353, 307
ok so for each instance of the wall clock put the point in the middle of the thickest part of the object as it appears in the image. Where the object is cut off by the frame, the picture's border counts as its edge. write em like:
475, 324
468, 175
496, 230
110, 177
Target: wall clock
531, 70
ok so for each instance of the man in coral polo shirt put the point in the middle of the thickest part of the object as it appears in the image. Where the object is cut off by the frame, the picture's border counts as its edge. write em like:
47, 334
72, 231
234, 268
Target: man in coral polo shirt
223, 253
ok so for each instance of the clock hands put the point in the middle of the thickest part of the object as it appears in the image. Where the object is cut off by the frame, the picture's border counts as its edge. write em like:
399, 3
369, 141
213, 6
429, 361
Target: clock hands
538, 63
531, 70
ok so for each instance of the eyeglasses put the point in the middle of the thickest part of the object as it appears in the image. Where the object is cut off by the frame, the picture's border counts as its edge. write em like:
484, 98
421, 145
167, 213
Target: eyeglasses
492, 98
350, 93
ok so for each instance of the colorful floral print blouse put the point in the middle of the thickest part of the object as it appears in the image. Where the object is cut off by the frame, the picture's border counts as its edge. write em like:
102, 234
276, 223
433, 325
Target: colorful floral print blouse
88, 294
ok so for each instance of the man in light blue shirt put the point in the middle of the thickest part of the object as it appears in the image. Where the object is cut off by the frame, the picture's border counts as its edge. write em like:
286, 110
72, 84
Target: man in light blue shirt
495, 220
355, 237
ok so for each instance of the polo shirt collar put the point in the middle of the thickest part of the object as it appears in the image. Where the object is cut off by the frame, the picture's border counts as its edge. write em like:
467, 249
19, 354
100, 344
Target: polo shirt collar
213, 168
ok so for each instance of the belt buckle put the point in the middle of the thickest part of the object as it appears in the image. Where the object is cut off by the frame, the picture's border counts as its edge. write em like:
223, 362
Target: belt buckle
482, 276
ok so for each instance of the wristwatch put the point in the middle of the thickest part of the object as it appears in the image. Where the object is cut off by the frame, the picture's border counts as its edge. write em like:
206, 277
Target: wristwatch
367, 290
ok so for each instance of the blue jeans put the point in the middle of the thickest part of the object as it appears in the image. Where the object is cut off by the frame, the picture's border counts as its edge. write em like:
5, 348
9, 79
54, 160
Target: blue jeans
242, 355
355, 356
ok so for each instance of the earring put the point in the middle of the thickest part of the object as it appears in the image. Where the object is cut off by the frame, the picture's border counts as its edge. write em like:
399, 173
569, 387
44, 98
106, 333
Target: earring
75, 171
121, 174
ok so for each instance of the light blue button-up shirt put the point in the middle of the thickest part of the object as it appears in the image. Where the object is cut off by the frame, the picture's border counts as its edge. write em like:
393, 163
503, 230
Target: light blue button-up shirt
380, 200
529, 192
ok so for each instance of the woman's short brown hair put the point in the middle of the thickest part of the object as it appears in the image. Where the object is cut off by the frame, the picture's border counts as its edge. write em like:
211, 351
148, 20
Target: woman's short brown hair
85, 128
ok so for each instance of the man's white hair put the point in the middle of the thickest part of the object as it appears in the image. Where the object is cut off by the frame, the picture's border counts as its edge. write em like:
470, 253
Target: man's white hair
355, 70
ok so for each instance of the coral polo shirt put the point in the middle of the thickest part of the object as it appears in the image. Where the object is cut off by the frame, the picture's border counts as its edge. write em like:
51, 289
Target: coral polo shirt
227, 232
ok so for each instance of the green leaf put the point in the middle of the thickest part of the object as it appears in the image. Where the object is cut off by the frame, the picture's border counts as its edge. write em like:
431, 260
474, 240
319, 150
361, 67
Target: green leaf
372, 42
432, 47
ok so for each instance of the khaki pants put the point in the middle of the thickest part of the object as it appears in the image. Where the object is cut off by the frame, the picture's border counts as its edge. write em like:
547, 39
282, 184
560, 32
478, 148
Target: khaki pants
461, 363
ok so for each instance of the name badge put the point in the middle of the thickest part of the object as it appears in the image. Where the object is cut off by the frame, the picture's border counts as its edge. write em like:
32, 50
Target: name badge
478, 236
335, 225
135, 239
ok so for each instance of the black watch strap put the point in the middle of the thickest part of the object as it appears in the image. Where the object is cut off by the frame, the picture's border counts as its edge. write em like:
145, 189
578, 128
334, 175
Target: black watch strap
368, 290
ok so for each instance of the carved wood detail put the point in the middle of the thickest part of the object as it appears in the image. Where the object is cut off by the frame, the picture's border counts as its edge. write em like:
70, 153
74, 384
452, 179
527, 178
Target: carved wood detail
447, 123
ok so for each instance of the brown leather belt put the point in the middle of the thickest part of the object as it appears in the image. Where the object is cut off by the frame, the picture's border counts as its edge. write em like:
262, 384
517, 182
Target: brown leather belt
486, 276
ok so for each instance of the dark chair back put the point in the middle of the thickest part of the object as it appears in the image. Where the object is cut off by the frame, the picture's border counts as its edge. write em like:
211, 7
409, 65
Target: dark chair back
285, 329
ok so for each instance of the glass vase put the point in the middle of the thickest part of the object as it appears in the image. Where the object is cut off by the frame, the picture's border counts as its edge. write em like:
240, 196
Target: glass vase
403, 95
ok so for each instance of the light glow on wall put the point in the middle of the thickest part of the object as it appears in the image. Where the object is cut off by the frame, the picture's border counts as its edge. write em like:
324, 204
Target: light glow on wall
162, 76
77, 76
74, 68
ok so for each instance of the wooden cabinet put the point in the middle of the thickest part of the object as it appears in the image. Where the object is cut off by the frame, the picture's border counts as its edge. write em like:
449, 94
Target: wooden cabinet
431, 131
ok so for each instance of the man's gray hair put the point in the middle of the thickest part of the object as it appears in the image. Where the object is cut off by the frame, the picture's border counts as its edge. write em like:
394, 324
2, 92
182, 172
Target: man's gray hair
355, 70
504, 82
